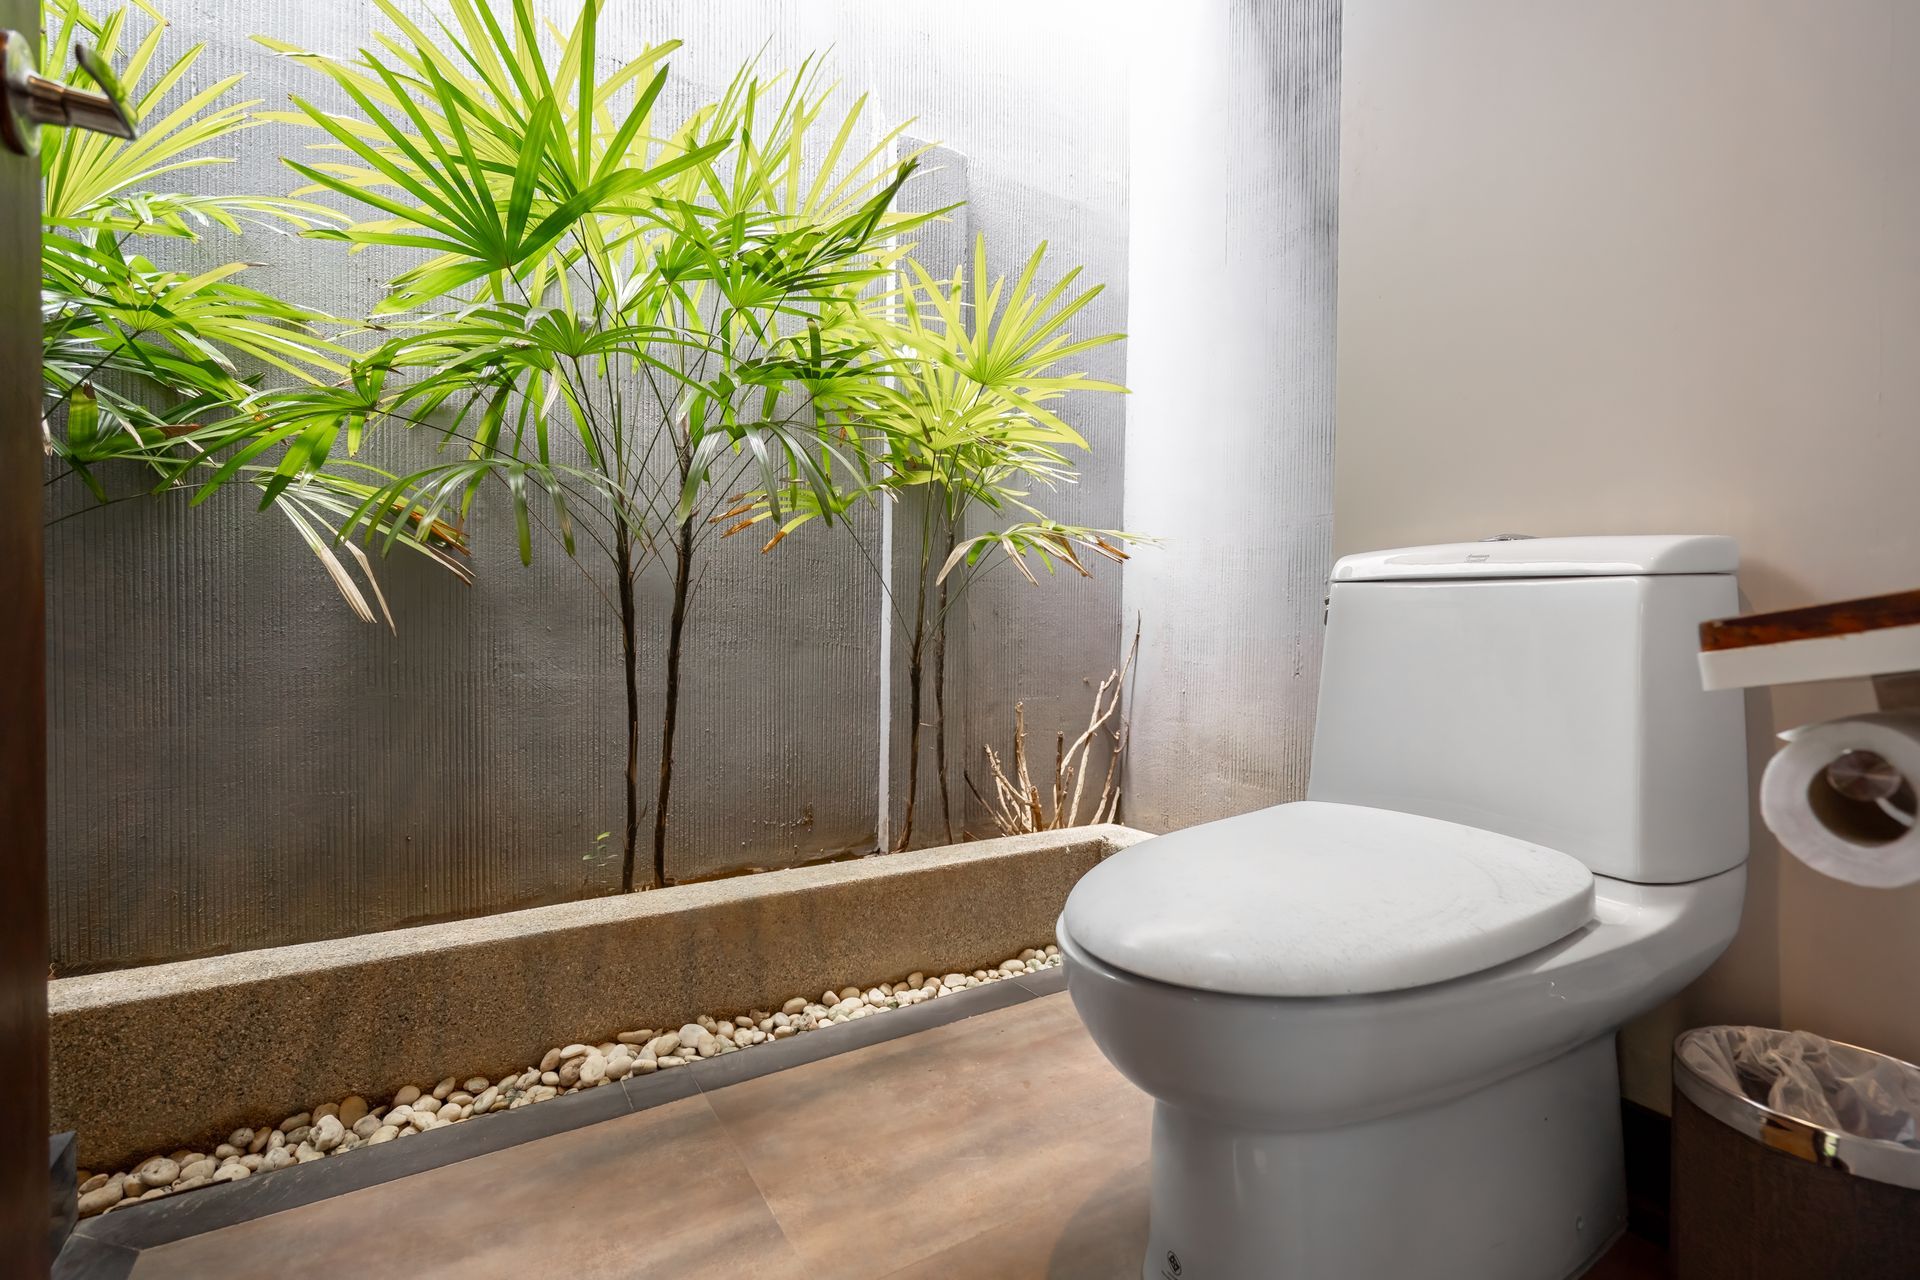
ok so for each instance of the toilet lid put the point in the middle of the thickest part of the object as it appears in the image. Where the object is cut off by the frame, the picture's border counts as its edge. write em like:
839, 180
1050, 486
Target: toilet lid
1319, 899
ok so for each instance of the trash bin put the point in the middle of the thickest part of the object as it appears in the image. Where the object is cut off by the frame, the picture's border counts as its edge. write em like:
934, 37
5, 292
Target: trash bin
1793, 1156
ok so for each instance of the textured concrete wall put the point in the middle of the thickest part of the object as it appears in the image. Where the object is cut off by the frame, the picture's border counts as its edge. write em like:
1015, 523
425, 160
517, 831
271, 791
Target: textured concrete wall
146, 1059
237, 763
1233, 145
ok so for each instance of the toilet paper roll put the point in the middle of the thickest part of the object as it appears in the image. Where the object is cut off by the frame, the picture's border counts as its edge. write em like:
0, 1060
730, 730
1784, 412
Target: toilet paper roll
1841, 797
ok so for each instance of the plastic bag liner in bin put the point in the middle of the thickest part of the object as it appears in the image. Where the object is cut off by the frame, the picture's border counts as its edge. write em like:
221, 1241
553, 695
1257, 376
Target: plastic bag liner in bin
1793, 1156
1831, 1085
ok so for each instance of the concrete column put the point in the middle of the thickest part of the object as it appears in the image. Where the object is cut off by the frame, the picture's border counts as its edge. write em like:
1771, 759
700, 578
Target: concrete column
1234, 157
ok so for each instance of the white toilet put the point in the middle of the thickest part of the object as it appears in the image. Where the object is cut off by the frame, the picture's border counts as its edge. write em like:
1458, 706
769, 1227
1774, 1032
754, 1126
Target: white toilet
1378, 1024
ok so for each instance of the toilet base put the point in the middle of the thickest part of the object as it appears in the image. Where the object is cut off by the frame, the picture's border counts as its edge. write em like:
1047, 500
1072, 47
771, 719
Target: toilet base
1521, 1180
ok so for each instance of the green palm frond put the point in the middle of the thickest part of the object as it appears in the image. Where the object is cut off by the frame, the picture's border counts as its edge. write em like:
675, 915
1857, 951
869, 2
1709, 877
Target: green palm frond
92, 182
160, 371
681, 296
965, 410
1046, 541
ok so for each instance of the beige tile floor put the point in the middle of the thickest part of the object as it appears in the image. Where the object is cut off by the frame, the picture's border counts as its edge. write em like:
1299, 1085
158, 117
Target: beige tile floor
1001, 1147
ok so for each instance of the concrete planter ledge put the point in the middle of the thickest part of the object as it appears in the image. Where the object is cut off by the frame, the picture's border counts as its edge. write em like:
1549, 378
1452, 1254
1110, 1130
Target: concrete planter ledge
145, 1059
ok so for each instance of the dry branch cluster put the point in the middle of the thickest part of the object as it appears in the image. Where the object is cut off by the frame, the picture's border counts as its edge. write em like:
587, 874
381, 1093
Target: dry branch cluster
1018, 806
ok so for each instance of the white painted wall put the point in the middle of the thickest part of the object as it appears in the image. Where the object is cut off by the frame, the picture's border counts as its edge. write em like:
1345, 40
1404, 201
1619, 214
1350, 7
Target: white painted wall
1638, 267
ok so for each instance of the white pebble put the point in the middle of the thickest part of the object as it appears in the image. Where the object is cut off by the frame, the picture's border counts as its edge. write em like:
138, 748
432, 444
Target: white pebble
328, 1133
334, 1128
158, 1172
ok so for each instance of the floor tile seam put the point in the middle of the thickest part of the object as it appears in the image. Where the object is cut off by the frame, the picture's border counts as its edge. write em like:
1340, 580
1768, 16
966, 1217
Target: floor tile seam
95, 1259
733, 1142
746, 1166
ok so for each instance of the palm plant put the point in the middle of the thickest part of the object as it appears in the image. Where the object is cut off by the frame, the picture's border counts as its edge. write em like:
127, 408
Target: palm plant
143, 365
616, 317
964, 425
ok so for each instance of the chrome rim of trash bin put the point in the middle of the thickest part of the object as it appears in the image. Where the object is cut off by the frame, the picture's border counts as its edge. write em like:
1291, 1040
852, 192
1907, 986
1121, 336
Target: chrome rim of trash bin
1882, 1161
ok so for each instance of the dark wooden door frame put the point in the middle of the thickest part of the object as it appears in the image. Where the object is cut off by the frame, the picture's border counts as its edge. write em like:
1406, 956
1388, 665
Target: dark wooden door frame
24, 1202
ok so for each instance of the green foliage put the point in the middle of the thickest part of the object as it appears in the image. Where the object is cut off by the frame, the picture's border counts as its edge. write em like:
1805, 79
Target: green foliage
150, 367
965, 426
615, 316
609, 318
655, 296
964, 416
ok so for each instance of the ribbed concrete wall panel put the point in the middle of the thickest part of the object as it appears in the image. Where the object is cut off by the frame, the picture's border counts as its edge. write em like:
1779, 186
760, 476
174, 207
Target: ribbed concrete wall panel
1234, 169
237, 762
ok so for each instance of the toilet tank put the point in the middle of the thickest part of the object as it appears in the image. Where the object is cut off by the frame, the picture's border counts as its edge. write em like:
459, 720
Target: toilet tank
1545, 688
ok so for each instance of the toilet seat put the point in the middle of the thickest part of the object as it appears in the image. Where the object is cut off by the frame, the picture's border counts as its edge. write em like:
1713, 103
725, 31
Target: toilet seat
1320, 899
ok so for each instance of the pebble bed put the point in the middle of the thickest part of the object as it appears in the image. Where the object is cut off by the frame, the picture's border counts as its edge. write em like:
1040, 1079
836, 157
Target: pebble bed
335, 1128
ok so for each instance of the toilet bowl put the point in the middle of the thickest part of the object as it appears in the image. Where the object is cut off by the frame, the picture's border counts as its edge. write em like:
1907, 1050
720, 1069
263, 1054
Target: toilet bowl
1379, 1038
1467, 1128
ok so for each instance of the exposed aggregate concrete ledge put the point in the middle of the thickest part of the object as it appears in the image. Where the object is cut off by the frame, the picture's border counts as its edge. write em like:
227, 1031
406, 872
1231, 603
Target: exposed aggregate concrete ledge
144, 1057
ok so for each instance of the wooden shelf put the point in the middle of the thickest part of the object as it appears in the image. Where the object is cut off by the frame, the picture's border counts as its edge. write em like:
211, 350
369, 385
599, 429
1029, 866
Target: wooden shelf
1843, 640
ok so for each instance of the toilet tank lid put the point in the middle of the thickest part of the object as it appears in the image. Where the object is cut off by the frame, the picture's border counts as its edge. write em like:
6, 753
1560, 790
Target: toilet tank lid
1321, 899
1619, 555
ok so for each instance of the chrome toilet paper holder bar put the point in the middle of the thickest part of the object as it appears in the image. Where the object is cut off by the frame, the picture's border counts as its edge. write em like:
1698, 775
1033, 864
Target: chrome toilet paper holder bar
1897, 690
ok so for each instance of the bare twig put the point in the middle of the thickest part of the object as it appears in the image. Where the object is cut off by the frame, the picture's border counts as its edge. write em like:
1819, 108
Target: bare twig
1017, 806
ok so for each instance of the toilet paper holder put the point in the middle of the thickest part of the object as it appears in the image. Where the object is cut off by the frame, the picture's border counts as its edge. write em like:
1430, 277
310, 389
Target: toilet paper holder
1875, 638
1861, 801
1867, 777
1897, 690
